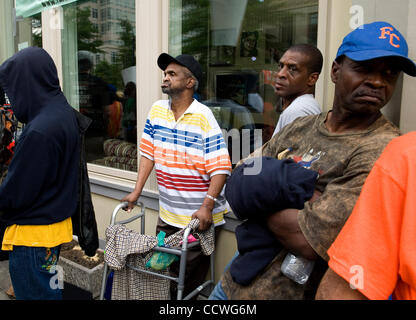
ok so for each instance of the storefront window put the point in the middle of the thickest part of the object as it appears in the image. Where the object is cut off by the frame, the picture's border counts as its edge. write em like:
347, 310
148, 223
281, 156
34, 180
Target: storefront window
99, 70
239, 43
26, 32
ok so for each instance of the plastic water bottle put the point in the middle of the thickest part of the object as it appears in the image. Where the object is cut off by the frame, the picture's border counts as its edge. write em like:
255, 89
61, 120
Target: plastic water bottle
297, 268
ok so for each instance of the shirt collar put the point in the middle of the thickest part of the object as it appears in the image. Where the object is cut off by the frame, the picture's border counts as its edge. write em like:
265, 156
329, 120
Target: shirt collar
191, 109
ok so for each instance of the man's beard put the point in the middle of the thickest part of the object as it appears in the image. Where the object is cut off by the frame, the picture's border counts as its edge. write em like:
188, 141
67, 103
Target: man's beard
171, 92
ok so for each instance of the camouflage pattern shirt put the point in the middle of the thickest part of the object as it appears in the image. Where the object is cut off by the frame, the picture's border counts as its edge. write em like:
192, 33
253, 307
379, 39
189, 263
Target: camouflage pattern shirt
343, 162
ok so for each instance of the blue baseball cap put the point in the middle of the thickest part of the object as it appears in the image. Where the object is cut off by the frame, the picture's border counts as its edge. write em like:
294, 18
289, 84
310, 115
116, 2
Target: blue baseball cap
377, 40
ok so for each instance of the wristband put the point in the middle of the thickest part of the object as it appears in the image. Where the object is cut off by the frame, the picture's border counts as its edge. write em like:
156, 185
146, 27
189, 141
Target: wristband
212, 198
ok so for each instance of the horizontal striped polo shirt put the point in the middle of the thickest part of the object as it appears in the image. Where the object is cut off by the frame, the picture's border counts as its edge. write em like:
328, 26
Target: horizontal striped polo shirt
187, 153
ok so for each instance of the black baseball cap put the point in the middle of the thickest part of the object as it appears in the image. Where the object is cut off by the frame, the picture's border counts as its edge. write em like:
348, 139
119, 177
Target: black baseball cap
185, 60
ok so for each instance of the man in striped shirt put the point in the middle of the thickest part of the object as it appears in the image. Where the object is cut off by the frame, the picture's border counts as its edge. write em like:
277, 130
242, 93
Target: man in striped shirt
184, 143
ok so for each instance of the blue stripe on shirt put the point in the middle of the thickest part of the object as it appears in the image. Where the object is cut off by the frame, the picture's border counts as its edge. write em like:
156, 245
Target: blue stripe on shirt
214, 143
178, 137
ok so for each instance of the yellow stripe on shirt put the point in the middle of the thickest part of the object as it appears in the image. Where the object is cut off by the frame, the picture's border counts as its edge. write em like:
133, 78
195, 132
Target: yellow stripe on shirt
196, 119
47, 236
184, 220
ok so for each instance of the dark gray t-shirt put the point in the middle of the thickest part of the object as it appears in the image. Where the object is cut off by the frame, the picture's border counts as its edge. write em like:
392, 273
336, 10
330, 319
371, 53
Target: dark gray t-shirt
343, 162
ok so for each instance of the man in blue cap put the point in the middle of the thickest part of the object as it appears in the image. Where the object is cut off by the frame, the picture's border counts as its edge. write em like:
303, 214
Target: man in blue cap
342, 145
373, 256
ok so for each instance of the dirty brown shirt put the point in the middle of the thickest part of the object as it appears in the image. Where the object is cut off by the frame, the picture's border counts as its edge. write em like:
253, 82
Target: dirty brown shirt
343, 162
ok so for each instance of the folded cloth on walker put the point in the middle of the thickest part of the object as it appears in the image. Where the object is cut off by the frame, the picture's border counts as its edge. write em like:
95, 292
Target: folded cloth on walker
122, 242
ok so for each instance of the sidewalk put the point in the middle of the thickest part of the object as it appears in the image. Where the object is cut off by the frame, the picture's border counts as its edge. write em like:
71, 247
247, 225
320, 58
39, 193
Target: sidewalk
5, 283
4, 280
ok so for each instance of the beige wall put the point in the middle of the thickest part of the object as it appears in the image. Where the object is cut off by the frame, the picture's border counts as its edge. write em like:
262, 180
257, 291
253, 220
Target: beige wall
6, 30
104, 207
408, 114
52, 22
333, 25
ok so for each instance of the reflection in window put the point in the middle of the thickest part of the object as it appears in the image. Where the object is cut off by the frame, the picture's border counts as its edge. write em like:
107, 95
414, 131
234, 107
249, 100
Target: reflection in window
28, 32
239, 43
99, 39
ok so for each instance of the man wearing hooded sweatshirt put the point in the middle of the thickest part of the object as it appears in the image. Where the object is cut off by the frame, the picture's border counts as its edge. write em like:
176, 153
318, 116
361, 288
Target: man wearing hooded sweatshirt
40, 193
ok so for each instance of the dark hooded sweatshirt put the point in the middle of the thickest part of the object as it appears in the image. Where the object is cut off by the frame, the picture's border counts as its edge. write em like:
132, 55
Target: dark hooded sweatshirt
41, 186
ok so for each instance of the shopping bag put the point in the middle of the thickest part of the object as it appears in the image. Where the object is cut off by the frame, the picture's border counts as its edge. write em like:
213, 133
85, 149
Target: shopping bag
161, 260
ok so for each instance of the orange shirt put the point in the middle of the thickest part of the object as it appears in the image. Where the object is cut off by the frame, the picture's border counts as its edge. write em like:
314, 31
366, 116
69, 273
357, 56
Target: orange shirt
378, 242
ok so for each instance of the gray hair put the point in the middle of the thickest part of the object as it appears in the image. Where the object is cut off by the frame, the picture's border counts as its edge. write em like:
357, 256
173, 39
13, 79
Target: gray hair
196, 86
190, 75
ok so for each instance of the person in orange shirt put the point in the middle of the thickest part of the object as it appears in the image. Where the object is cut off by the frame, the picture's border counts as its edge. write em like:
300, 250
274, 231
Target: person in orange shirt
373, 257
